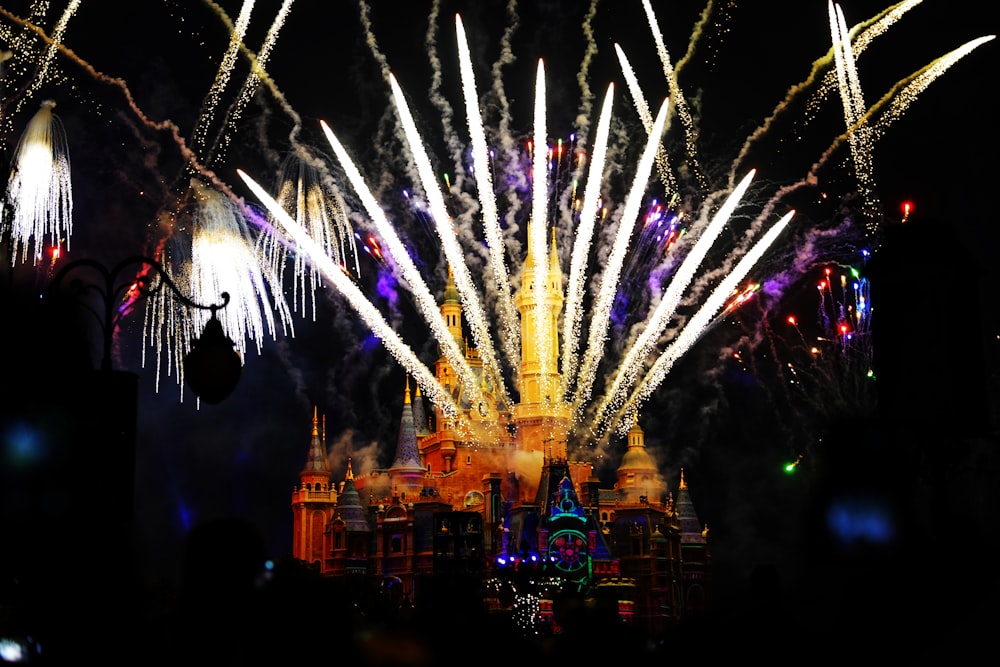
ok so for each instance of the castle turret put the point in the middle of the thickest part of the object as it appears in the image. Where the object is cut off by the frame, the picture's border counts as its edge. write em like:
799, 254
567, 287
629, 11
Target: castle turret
407, 471
696, 556
350, 532
313, 499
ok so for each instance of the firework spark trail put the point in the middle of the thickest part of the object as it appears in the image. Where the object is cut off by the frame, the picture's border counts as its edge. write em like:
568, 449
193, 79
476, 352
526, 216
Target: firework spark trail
697, 325
909, 87
905, 92
357, 300
642, 107
676, 97
250, 86
601, 315
581, 247
50, 53
630, 367
39, 189
508, 324
854, 106
426, 302
225, 72
828, 81
865, 32
446, 232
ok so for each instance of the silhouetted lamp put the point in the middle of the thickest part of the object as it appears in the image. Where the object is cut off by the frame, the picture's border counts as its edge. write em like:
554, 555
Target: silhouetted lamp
213, 366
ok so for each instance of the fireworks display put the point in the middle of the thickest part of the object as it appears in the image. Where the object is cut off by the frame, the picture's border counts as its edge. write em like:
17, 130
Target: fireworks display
668, 232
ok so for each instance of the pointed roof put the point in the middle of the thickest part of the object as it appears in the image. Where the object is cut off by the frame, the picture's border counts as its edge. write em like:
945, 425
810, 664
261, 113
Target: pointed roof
407, 452
691, 528
317, 461
420, 414
349, 507
555, 269
450, 290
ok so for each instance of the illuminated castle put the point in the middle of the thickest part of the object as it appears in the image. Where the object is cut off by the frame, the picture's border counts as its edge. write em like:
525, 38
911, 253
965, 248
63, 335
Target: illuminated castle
491, 494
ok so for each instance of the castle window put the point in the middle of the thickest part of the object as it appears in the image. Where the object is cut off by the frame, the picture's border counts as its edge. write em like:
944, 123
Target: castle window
468, 459
397, 544
474, 498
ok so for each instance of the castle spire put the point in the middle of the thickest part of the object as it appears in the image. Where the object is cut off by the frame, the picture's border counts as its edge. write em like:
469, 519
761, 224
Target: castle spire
420, 413
407, 452
316, 461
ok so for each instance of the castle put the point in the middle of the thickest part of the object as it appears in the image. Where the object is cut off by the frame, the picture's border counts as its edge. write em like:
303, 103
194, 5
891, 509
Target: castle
489, 494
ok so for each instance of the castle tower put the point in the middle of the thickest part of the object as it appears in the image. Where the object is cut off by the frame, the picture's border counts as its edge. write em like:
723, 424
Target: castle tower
350, 533
451, 310
696, 556
313, 500
407, 471
541, 415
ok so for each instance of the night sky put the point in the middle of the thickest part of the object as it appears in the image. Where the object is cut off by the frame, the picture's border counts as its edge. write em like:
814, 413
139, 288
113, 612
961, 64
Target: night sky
730, 412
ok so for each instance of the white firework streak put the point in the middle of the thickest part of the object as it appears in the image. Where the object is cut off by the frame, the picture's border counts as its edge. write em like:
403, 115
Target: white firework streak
630, 367
642, 108
426, 302
609, 281
680, 106
257, 70
471, 305
698, 324
509, 323
50, 53
539, 215
357, 300
582, 244
859, 134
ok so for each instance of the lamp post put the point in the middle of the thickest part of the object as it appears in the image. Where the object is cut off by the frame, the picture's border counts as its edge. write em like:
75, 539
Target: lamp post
100, 407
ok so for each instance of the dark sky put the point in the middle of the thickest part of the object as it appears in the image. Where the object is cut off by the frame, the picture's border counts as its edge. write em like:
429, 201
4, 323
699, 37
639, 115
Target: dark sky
731, 425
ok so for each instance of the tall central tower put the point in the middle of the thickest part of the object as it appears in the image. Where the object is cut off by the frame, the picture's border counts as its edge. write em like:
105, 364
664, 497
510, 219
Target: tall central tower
541, 415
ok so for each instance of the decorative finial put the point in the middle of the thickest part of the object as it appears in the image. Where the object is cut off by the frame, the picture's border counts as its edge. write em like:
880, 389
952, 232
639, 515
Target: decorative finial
315, 420
683, 483
350, 471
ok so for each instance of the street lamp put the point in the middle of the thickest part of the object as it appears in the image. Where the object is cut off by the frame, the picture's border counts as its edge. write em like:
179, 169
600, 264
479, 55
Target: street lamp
213, 366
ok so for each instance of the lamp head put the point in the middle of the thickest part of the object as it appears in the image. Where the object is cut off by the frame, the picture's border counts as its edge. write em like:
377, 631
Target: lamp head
213, 366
